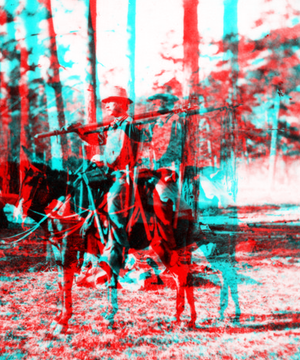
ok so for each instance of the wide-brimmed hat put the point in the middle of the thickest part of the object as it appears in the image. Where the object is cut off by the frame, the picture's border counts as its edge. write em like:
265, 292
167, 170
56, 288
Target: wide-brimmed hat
117, 94
166, 97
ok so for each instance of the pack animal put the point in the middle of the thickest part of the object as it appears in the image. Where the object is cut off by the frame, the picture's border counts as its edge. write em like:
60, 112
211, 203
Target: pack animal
47, 193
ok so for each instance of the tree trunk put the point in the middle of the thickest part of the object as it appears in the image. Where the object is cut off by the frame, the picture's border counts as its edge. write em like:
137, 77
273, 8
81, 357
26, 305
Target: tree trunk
5, 134
13, 96
191, 87
131, 47
191, 40
92, 72
55, 83
229, 126
24, 125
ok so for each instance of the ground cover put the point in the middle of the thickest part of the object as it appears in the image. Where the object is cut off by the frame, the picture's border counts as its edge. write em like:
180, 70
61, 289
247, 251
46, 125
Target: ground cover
268, 278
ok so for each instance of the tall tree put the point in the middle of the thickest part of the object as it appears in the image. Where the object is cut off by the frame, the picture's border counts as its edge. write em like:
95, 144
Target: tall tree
54, 95
12, 55
4, 134
191, 88
24, 124
191, 77
4, 114
230, 44
92, 72
191, 40
131, 46
32, 15
229, 129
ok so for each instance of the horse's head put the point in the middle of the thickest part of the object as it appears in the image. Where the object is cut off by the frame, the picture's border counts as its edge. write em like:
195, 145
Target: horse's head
41, 186
215, 185
34, 193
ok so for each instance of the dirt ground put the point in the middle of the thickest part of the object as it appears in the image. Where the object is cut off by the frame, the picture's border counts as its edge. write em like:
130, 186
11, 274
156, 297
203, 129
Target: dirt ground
268, 267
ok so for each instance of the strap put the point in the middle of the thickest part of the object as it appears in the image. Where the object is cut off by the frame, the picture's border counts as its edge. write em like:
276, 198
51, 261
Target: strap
91, 199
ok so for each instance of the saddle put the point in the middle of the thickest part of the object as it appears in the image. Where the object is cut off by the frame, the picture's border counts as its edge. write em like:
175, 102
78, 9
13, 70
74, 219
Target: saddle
98, 176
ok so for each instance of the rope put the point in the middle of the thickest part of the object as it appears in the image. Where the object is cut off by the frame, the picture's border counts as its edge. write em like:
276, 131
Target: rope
69, 231
24, 232
30, 231
64, 217
69, 216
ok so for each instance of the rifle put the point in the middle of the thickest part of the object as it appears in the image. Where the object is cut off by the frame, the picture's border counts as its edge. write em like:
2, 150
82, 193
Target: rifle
138, 119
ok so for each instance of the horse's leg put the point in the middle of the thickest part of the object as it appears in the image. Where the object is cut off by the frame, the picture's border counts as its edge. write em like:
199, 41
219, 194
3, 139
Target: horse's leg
189, 290
220, 266
191, 300
235, 298
58, 315
229, 282
186, 258
164, 254
67, 308
68, 267
112, 301
184, 283
60, 292
57, 257
112, 295
223, 297
232, 283
180, 300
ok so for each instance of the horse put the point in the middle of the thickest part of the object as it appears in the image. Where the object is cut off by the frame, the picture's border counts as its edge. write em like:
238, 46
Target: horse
47, 196
220, 255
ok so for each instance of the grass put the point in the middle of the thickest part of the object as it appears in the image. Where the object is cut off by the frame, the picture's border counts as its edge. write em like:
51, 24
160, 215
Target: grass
145, 329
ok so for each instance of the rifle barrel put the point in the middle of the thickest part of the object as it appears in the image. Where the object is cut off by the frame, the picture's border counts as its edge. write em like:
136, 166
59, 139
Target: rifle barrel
88, 128
137, 118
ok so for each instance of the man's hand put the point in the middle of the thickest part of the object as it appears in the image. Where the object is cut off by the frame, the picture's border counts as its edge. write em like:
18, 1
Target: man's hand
77, 128
73, 127
99, 160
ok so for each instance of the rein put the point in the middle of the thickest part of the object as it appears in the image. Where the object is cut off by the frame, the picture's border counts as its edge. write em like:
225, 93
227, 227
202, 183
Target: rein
60, 217
25, 234
4, 245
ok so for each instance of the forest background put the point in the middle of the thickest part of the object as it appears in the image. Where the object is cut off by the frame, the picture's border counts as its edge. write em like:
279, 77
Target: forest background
59, 57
